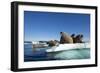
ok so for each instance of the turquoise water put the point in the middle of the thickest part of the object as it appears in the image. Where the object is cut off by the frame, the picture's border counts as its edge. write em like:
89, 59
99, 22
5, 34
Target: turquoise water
83, 53
41, 55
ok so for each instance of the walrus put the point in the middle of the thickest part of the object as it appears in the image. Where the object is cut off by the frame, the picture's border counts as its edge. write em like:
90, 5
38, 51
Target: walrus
65, 38
73, 37
78, 38
52, 43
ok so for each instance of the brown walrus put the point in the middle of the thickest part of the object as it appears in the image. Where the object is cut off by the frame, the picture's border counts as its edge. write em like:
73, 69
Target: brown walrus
52, 43
73, 37
78, 38
65, 38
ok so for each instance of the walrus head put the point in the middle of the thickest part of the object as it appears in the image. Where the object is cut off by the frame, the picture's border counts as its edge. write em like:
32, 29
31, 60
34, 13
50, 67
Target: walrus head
73, 35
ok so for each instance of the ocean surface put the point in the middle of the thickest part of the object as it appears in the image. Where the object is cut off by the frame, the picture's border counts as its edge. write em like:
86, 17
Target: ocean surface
41, 55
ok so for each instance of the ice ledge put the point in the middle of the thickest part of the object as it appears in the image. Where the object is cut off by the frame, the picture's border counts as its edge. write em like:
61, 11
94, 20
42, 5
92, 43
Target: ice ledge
62, 47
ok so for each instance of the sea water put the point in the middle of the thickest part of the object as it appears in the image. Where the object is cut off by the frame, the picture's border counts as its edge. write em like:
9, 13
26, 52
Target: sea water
41, 55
